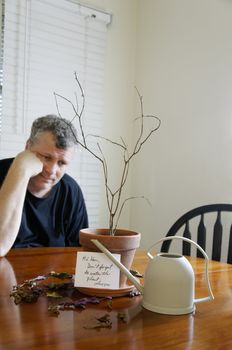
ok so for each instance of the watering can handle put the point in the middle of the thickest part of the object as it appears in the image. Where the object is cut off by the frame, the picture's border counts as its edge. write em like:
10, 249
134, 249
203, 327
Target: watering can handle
210, 297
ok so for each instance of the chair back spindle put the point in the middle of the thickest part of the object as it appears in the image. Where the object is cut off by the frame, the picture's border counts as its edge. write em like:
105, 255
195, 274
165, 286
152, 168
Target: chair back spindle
229, 256
217, 238
186, 245
217, 234
201, 236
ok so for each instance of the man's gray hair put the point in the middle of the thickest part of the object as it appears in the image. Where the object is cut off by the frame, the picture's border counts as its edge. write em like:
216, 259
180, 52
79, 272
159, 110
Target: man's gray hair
63, 130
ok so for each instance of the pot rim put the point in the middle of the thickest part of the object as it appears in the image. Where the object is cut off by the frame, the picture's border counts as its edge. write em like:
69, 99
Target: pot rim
120, 232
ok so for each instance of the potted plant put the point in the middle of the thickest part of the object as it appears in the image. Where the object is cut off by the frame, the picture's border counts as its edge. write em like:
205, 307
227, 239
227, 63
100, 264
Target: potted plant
117, 240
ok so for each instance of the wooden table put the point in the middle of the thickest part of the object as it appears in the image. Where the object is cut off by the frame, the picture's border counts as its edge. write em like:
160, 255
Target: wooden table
29, 326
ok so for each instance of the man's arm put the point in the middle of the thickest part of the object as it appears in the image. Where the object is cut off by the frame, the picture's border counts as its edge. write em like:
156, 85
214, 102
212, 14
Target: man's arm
12, 196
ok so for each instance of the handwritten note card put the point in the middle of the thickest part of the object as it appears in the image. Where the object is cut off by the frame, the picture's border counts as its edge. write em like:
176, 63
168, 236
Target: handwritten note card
96, 270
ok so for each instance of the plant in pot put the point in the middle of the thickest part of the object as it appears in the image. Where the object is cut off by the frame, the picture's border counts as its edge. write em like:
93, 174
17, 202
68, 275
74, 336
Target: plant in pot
117, 240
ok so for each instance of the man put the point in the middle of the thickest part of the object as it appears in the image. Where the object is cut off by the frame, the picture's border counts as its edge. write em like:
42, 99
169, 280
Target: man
40, 205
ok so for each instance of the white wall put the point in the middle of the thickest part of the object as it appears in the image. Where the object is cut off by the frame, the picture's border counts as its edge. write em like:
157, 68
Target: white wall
184, 57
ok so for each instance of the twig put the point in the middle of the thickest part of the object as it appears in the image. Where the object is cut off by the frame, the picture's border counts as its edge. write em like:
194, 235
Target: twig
113, 198
123, 204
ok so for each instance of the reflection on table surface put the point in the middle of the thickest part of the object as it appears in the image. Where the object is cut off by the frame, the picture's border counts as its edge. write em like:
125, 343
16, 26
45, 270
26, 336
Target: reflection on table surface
29, 326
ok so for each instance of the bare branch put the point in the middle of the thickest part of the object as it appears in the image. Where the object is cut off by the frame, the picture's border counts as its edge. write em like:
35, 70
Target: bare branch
108, 140
113, 198
105, 170
141, 112
82, 93
123, 204
139, 145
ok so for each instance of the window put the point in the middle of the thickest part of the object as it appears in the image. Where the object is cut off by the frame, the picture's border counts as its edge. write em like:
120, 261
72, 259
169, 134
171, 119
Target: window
45, 43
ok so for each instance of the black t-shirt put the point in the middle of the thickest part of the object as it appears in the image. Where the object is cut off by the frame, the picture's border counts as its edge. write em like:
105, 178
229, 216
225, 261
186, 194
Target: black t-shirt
54, 220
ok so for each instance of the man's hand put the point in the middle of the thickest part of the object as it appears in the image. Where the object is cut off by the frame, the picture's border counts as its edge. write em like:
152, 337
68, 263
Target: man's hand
28, 162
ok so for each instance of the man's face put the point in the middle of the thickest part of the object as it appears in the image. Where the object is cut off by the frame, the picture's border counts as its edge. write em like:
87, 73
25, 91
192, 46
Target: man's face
55, 162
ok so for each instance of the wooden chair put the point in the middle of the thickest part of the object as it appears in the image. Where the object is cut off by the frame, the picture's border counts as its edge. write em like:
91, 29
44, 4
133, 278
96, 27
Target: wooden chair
201, 231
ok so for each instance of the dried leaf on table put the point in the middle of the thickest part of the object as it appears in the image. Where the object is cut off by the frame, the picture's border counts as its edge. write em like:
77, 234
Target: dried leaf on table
104, 319
134, 293
53, 295
136, 273
58, 286
30, 290
109, 304
102, 322
27, 292
54, 310
61, 275
122, 317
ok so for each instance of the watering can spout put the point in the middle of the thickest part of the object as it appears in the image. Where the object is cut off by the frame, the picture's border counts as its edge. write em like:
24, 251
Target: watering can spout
119, 265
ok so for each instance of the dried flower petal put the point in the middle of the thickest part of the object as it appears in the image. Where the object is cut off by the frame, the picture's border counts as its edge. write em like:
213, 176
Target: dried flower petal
38, 278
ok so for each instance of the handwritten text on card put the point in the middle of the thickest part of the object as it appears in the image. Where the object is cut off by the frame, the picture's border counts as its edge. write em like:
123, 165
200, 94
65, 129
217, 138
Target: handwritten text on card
96, 270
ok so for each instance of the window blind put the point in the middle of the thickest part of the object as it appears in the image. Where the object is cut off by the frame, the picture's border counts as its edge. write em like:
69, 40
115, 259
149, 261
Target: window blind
45, 43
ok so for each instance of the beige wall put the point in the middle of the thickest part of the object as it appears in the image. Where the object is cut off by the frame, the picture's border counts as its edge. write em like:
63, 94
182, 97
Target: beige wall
183, 67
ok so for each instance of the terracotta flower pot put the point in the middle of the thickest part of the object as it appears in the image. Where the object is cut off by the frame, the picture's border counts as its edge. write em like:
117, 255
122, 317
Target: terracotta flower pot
124, 242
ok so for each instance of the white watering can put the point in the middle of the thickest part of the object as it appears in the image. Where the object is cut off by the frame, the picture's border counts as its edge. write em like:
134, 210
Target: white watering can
169, 281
